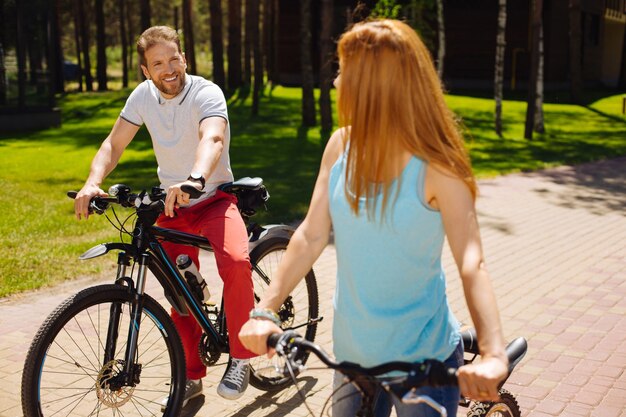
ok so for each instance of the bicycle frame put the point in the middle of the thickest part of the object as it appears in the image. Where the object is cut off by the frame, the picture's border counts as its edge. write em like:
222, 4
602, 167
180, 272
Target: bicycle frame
147, 251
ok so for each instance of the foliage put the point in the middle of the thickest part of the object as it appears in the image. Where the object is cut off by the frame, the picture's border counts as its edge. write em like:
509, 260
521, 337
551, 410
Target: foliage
387, 9
40, 238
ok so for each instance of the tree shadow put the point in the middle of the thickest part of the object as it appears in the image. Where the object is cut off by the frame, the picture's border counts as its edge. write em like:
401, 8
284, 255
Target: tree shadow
280, 403
598, 187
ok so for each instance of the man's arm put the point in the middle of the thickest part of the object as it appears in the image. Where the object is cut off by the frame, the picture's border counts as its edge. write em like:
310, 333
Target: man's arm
103, 163
212, 132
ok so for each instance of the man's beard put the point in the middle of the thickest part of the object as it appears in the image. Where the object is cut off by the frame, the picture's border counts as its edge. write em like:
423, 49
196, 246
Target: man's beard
169, 89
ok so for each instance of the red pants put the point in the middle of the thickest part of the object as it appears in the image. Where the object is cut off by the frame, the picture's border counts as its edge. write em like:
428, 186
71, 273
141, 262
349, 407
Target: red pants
218, 220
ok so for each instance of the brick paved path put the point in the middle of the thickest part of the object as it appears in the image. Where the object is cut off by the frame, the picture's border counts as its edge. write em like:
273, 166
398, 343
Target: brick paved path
555, 243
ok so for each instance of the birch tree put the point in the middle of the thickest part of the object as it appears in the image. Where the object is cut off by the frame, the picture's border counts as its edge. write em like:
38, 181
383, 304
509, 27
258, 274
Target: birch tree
441, 37
538, 125
308, 99
326, 61
499, 66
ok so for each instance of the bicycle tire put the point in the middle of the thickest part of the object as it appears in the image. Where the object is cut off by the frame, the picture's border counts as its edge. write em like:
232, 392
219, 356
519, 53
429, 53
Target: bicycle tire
266, 258
70, 344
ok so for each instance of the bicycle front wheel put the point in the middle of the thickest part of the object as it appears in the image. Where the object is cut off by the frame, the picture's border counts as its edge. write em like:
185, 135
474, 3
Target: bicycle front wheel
68, 373
299, 311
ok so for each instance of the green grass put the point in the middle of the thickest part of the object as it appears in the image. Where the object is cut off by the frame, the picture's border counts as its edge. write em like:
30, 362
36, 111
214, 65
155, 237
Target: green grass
40, 239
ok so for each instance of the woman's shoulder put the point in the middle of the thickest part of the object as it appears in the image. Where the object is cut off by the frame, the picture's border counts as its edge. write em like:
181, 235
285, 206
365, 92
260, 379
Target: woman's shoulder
335, 147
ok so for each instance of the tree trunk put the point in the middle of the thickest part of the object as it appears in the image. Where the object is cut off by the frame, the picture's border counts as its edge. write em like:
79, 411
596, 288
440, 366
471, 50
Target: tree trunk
145, 13
499, 67
3, 71
130, 12
234, 44
441, 36
20, 50
123, 41
249, 42
217, 42
77, 41
273, 71
538, 122
257, 56
34, 42
308, 99
55, 53
84, 35
575, 52
622, 76
101, 65
268, 45
190, 53
326, 63
534, 67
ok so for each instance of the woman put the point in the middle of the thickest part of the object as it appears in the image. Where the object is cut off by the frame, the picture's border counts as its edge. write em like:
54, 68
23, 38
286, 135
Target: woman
393, 182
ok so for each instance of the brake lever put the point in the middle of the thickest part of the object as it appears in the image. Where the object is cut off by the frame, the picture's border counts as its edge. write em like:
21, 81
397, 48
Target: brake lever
412, 397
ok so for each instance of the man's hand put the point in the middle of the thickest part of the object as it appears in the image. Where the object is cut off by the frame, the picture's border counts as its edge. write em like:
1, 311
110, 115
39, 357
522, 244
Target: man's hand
177, 197
83, 198
254, 334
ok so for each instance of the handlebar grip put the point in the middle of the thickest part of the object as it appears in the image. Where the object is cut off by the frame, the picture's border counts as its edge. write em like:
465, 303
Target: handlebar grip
192, 191
273, 339
72, 194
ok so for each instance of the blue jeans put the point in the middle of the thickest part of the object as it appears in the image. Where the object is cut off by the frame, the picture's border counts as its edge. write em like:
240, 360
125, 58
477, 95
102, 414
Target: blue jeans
347, 399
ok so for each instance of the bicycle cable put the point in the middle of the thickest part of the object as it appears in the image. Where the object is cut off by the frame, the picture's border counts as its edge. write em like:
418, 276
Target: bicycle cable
295, 382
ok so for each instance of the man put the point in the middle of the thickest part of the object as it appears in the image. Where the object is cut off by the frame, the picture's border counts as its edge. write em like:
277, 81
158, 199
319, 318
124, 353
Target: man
187, 119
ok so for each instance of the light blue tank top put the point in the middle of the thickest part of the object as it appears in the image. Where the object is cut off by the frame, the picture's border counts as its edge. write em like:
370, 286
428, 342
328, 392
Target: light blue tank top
390, 299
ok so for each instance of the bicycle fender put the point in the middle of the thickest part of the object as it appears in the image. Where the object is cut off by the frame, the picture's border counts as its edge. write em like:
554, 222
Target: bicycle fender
104, 248
271, 230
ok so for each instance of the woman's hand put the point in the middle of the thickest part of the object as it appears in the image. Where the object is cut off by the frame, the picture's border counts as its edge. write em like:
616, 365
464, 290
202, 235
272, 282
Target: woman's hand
254, 334
479, 381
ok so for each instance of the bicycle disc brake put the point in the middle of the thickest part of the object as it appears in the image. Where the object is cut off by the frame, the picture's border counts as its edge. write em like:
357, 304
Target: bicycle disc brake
110, 389
209, 352
286, 313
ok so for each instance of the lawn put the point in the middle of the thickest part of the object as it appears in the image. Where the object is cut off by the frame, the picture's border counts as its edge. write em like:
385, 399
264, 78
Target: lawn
40, 239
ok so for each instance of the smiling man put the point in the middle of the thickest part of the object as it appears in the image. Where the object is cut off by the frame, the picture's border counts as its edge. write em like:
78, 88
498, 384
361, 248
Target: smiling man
187, 119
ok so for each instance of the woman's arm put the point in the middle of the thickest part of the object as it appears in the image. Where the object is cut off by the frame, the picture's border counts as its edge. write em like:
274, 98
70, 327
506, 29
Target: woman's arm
305, 246
453, 199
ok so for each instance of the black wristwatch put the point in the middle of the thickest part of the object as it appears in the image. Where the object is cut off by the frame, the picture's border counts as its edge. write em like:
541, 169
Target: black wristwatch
194, 176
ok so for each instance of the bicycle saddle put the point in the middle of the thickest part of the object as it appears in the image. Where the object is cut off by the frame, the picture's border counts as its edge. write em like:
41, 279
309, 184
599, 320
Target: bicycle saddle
245, 183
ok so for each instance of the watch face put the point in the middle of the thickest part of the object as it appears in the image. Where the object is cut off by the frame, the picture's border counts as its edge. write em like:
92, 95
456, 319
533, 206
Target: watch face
196, 176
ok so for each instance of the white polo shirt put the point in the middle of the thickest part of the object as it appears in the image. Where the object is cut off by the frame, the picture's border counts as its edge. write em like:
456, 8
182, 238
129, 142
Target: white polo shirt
174, 128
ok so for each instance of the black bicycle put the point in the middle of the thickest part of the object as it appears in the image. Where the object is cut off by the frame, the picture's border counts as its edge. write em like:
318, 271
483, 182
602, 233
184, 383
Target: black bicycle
113, 350
290, 346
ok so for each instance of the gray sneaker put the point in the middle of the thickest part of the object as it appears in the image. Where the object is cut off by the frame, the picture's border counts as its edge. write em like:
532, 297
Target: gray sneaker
192, 390
235, 380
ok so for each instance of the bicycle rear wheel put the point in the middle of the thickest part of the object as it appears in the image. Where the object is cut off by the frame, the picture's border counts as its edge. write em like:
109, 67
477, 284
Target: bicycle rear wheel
65, 373
300, 307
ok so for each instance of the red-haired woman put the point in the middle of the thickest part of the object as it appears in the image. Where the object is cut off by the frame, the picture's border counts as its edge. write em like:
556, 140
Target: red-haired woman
394, 181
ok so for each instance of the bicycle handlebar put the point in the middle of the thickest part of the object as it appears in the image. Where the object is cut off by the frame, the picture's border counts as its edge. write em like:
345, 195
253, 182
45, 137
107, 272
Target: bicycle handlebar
120, 194
428, 373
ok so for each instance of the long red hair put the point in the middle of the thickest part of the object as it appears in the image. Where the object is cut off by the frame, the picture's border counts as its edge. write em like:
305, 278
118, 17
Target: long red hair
390, 99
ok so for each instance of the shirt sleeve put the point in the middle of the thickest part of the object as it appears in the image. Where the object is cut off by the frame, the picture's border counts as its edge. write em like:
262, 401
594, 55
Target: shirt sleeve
211, 102
132, 109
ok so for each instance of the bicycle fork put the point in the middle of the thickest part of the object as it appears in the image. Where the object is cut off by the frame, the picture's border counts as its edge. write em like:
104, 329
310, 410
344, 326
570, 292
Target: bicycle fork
131, 370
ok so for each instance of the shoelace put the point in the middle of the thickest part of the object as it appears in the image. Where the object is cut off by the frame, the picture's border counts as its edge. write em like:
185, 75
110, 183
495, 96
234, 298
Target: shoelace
237, 372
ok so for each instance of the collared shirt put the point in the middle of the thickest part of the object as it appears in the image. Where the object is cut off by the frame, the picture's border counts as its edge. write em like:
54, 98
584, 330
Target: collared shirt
174, 124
